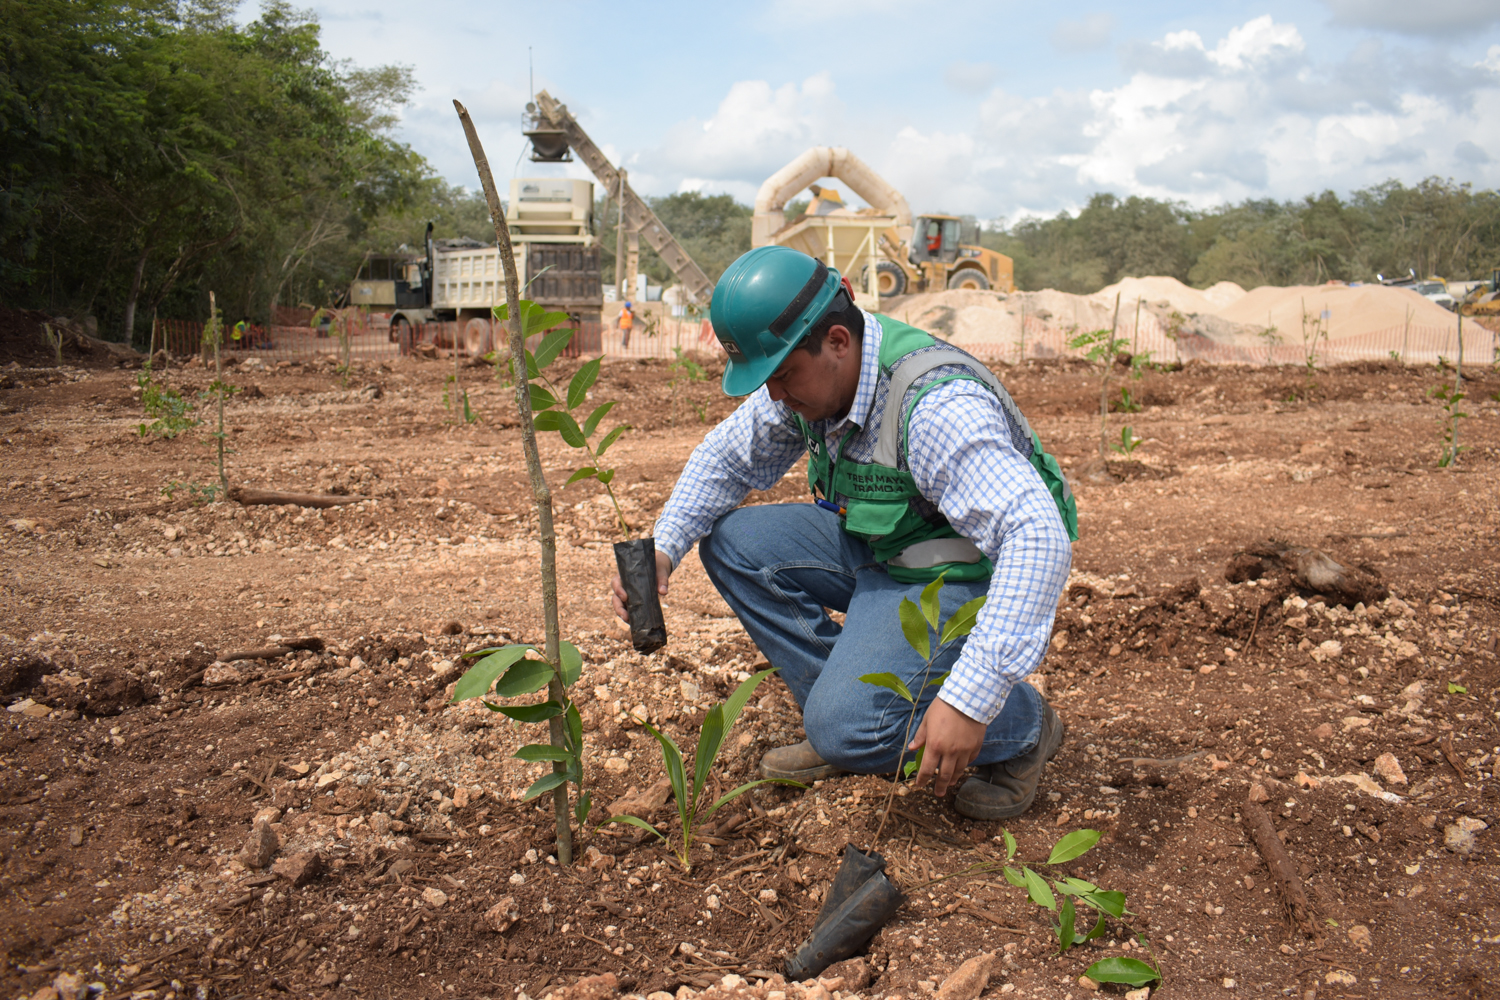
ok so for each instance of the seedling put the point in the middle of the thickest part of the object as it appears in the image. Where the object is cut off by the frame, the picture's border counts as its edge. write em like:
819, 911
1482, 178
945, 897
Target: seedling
1102, 348
1127, 403
691, 814
1270, 337
1452, 414
170, 413
511, 673
198, 494
1044, 888
1314, 329
54, 340
1456, 688
919, 622
1128, 442
555, 408
218, 389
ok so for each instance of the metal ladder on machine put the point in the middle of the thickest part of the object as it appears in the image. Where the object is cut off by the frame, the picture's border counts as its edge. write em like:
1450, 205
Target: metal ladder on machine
638, 215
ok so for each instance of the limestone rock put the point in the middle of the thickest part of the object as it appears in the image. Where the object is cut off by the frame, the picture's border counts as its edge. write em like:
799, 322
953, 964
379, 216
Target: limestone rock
299, 869
260, 847
434, 898
969, 979
591, 988
503, 915
1389, 769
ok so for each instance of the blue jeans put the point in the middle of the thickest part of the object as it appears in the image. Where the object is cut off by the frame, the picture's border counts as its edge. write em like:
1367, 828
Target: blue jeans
779, 566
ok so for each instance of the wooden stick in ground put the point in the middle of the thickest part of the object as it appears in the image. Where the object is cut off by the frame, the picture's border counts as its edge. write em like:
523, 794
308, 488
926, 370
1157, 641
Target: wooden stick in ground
1263, 832
540, 493
249, 497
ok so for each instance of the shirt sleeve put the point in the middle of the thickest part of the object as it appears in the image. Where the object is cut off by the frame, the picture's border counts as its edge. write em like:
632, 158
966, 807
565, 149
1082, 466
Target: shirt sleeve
752, 449
963, 460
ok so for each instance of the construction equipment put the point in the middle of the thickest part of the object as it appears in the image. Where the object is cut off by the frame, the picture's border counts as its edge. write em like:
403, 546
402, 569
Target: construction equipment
880, 248
461, 280
552, 130
1484, 298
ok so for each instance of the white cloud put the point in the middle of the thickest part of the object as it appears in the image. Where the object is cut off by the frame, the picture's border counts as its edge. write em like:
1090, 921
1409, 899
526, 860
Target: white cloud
1092, 31
1432, 17
755, 130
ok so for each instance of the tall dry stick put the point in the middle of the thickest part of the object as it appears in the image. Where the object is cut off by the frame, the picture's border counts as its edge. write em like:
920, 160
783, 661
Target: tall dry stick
1109, 363
540, 492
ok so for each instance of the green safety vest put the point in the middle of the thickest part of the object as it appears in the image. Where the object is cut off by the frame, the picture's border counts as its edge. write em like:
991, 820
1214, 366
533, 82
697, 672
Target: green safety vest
878, 494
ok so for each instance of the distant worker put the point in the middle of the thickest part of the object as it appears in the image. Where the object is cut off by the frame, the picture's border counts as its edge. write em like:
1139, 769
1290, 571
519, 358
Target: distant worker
238, 334
627, 323
934, 236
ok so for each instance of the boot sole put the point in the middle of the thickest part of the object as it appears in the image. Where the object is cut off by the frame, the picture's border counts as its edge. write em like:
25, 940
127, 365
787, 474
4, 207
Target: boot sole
976, 811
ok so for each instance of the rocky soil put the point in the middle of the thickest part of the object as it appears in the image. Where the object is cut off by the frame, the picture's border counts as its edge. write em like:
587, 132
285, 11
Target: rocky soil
181, 818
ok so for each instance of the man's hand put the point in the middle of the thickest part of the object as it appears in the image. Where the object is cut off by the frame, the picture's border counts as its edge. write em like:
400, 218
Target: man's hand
952, 740
663, 571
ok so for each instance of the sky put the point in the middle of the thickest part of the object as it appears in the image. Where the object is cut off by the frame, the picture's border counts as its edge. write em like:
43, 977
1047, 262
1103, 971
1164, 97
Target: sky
994, 108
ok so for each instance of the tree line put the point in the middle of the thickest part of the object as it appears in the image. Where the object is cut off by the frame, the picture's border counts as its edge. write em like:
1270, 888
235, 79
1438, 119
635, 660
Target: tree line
155, 149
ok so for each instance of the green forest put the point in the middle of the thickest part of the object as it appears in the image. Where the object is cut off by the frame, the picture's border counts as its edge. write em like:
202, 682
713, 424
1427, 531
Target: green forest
157, 149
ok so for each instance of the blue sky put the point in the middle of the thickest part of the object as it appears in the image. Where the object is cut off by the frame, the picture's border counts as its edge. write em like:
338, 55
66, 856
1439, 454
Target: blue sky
990, 107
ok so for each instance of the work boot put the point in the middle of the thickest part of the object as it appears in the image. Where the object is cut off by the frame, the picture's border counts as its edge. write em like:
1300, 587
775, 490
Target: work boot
799, 762
1007, 788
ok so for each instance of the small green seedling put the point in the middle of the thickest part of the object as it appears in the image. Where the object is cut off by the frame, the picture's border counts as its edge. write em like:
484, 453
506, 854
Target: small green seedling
691, 814
1452, 414
684, 370
511, 673
170, 413
1126, 403
198, 493
555, 408
1128, 441
919, 623
1456, 688
1043, 889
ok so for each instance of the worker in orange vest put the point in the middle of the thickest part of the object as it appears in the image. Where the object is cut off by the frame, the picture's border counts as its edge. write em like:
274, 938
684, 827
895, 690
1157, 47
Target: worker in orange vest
627, 323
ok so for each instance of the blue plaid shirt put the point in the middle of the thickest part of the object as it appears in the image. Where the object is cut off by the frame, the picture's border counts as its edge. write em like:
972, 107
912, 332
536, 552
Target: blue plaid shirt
964, 457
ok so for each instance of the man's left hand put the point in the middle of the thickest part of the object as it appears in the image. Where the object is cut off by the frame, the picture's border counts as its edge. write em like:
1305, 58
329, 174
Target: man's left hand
952, 740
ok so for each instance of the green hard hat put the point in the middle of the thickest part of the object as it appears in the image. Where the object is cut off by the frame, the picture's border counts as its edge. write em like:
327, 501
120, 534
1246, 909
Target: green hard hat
763, 306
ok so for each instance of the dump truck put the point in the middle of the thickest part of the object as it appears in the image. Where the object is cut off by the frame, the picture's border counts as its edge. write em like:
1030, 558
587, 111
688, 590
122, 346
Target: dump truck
460, 280
882, 249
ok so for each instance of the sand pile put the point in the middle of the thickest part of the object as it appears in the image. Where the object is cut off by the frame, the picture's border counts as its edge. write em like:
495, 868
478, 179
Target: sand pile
1352, 312
1169, 293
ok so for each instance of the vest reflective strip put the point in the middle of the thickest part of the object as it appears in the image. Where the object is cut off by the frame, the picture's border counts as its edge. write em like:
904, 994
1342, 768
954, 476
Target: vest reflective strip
935, 552
913, 367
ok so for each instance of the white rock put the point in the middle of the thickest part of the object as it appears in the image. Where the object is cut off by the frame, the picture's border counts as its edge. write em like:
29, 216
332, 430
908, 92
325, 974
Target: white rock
617, 765
690, 691
1471, 824
767, 895
434, 897
221, 673
1458, 840
1389, 769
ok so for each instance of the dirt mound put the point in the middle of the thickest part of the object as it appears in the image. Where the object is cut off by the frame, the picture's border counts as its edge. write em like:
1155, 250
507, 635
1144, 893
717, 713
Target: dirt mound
1352, 311
23, 339
1156, 290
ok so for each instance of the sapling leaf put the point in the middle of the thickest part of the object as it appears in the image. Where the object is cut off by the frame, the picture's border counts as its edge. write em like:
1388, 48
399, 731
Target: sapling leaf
1074, 844
1107, 901
610, 439
541, 399
1075, 886
542, 751
563, 423
1010, 845
1100, 926
938, 680
931, 606
532, 371
583, 807
587, 472
592, 423
736, 702
539, 319
606, 477
540, 712
1014, 877
583, 380
523, 677
634, 821
477, 680
710, 738
890, 682
1065, 925
545, 783
961, 622
672, 759
572, 663
1130, 971
574, 725
730, 796
914, 626
912, 766
1038, 890
551, 346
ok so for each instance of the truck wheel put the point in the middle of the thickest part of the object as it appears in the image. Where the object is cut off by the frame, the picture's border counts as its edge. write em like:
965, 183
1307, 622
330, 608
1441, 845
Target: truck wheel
890, 280
477, 337
969, 278
401, 334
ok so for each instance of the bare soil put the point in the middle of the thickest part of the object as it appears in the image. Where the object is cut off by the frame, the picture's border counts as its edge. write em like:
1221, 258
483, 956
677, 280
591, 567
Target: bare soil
130, 783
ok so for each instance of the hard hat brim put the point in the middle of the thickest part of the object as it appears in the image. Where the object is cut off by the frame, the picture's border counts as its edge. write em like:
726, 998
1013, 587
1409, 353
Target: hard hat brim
741, 378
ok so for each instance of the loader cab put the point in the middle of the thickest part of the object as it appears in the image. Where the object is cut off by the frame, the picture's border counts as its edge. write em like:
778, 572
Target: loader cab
936, 238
